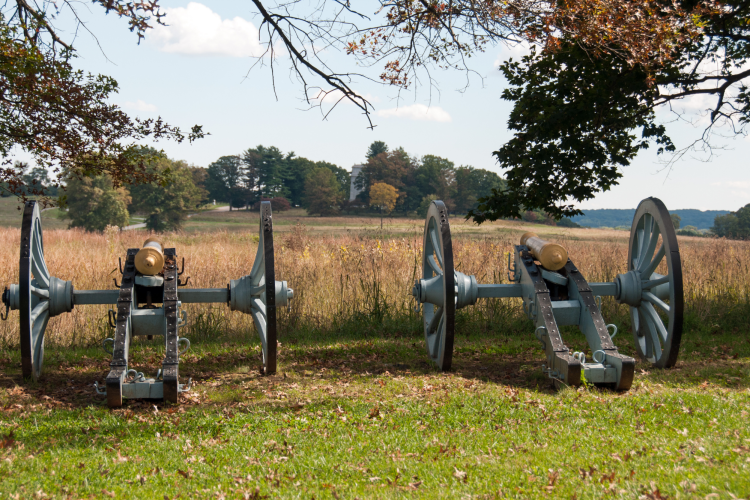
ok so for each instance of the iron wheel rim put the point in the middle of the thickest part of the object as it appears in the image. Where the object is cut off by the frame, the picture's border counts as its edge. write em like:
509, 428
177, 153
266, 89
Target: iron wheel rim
264, 306
656, 342
437, 259
34, 284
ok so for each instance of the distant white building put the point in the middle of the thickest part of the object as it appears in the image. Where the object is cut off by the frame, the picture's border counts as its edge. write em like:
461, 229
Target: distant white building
353, 191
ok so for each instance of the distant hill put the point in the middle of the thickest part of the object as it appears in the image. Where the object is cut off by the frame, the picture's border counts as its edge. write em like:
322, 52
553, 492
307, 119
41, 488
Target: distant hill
614, 217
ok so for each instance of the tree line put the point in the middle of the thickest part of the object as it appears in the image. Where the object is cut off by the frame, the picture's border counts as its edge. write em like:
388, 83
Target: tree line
323, 188
389, 180
267, 173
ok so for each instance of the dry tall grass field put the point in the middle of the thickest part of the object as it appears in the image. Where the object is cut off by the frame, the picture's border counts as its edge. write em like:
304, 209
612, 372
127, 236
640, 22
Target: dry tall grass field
340, 276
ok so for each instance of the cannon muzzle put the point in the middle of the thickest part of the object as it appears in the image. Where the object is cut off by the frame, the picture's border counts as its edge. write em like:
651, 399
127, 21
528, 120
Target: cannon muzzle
150, 259
552, 255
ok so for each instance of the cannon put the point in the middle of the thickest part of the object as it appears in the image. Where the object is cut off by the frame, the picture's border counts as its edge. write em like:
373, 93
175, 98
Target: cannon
555, 293
148, 302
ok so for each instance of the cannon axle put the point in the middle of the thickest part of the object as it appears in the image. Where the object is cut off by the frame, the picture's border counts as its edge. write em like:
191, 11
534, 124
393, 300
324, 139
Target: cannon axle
555, 293
150, 277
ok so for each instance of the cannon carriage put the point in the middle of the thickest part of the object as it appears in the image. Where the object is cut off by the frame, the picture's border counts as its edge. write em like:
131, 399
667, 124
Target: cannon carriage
555, 293
148, 302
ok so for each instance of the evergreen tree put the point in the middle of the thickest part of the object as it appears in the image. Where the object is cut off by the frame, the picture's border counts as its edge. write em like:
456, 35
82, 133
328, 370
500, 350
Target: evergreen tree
376, 148
222, 175
269, 170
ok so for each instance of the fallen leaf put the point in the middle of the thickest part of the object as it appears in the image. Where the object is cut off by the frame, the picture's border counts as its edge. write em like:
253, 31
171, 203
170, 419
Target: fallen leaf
7, 441
460, 475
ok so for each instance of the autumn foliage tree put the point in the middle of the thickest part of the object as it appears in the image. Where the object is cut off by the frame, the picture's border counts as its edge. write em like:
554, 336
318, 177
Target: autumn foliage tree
383, 196
62, 117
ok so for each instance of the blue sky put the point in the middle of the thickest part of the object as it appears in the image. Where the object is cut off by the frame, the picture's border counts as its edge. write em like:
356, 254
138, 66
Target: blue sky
198, 70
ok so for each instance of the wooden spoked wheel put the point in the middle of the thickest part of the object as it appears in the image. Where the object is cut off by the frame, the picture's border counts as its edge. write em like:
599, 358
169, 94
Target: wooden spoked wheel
437, 260
34, 287
264, 305
657, 320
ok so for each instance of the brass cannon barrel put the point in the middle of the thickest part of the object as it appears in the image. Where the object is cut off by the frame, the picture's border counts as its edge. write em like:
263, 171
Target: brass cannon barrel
150, 259
552, 255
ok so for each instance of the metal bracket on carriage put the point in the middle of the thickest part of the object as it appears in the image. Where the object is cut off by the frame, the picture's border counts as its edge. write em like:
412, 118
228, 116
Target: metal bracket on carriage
137, 386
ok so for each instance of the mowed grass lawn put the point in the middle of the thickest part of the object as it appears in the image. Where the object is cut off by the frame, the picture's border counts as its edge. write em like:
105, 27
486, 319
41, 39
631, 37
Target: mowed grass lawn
362, 416
356, 410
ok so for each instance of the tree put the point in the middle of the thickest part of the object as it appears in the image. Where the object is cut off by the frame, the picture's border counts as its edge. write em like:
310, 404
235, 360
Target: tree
384, 197
268, 170
676, 219
299, 170
405, 40
473, 184
391, 168
93, 203
166, 204
376, 148
62, 117
424, 205
343, 176
433, 176
223, 175
323, 194
200, 175
734, 225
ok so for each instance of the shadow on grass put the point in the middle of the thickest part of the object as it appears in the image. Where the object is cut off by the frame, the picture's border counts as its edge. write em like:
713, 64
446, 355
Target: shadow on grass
496, 350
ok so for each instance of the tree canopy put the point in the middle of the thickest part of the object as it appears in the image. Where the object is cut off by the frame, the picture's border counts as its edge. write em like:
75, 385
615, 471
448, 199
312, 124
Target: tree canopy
61, 116
734, 225
602, 67
94, 203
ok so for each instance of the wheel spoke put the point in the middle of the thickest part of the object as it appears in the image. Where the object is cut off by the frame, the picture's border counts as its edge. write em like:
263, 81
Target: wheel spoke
434, 266
646, 273
653, 337
639, 243
37, 342
262, 327
40, 292
436, 244
39, 268
648, 285
645, 238
259, 266
257, 305
653, 317
636, 319
650, 297
39, 309
649, 252
434, 322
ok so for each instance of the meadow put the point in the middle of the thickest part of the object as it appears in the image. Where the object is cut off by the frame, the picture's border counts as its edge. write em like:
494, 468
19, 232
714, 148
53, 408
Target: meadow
356, 409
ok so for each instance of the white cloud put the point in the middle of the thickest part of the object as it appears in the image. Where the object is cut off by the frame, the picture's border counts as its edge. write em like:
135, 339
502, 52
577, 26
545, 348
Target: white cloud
733, 184
416, 112
139, 106
197, 30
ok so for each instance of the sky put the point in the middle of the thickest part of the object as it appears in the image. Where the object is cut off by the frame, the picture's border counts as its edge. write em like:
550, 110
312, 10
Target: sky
199, 70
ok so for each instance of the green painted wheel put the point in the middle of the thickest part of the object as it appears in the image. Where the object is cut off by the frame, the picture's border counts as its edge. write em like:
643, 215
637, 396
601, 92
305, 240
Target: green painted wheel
437, 260
34, 292
656, 310
263, 306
